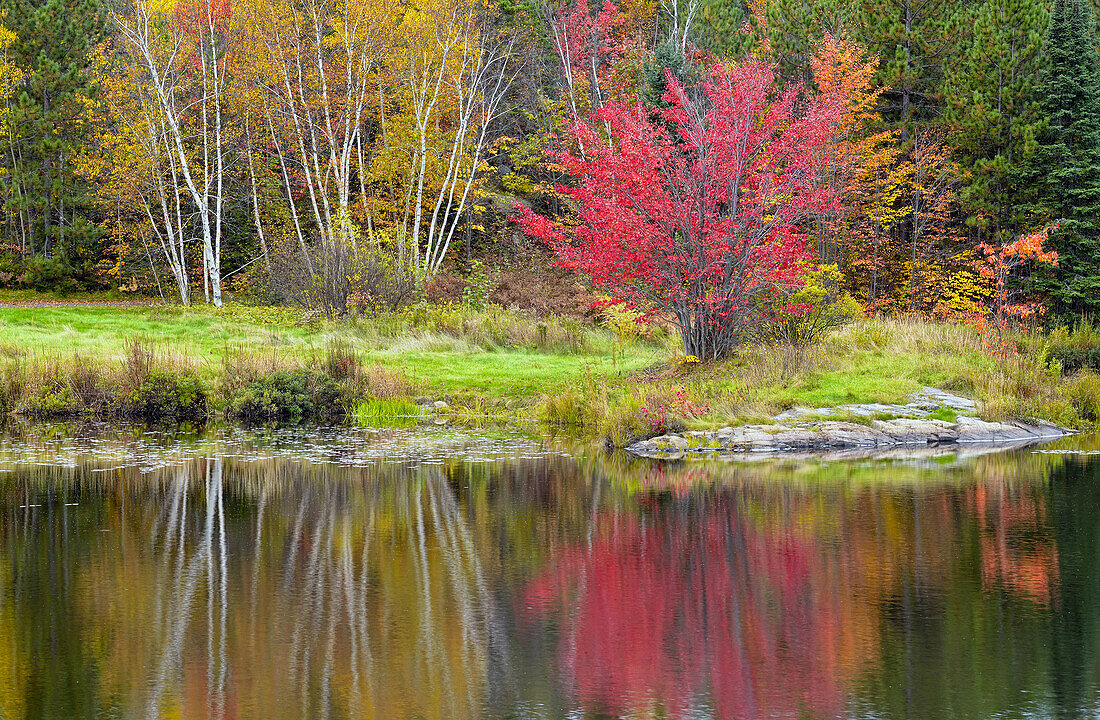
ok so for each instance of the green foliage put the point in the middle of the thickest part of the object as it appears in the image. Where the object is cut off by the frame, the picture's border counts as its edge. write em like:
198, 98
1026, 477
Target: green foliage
667, 60
1067, 161
726, 28
164, 395
50, 129
287, 395
993, 108
816, 308
1084, 392
480, 283
912, 40
142, 387
794, 28
1077, 348
53, 273
945, 414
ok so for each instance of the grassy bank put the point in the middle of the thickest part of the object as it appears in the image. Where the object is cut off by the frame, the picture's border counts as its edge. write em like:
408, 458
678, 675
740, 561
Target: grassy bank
504, 365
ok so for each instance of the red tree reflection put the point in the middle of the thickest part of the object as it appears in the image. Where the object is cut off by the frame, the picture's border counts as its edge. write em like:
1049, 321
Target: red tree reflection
698, 601
1018, 552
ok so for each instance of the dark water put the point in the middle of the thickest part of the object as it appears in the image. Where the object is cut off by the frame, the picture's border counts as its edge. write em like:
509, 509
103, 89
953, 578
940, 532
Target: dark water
401, 575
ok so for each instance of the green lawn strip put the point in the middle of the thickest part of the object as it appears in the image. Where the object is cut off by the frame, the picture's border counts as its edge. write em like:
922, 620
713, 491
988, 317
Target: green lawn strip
508, 373
204, 336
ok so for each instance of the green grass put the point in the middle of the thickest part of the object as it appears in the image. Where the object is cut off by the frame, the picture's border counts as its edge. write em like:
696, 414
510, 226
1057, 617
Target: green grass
946, 414
510, 365
8, 295
205, 336
389, 412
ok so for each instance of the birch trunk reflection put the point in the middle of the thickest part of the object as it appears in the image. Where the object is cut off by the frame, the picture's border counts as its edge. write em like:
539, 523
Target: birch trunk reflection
359, 597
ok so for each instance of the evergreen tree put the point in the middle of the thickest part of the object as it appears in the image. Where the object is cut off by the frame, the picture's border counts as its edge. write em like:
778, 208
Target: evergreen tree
45, 199
992, 108
795, 29
725, 27
1067, 163
910, 37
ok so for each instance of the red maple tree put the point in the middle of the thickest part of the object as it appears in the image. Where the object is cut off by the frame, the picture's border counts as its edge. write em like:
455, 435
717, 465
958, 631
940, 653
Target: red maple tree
694, 210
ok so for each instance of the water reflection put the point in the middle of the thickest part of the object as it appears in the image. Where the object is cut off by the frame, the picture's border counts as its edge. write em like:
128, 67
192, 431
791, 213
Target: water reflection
544, 585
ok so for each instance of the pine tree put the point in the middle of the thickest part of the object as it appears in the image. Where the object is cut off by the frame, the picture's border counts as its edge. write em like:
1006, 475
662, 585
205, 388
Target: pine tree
725, 27
993, 110
795, 30
49, 123
910, 37
1067, 163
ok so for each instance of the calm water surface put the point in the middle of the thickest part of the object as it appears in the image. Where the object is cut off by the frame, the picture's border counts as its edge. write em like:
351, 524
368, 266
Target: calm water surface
416, 574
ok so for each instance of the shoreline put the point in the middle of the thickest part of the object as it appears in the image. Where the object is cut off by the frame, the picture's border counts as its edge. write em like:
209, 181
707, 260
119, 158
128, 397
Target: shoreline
932, 418
833, 437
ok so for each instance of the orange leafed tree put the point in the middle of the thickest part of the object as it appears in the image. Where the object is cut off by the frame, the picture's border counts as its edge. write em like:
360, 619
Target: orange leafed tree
856, 153
1002, 262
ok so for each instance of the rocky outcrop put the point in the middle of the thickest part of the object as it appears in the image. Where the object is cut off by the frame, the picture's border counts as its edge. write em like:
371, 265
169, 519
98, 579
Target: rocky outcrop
915, 428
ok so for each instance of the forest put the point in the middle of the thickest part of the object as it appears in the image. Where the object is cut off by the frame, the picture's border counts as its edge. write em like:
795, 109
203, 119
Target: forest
326, 154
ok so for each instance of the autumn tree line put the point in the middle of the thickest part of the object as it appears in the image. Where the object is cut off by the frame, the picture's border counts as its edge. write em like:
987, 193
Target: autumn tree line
330, 151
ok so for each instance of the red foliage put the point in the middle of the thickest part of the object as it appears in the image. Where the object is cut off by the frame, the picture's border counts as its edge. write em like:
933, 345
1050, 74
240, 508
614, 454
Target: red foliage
197, 17
694, 210
653, 616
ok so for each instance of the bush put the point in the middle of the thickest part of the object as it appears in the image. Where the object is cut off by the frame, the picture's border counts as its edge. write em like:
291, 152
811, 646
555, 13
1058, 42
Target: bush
814, 309
293, 395
11, 264
43, 273
1076, 349
163, 395
357, 276
1084, 392
144, 387
480, 283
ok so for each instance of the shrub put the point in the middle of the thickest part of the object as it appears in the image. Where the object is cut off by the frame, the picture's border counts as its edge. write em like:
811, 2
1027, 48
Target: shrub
43, 273
626, 322
164, 395
480, 283
1084, 393
12, 266
567, 408
357, 276
814, 309
293, 395
383, 382
1077, 348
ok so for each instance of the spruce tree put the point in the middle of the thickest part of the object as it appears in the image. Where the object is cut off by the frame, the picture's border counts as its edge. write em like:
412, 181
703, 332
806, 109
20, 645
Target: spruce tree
45, 199
992, 106
1067, 163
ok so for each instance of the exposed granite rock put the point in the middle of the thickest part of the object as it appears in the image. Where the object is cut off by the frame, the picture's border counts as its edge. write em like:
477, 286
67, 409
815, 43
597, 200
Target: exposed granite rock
914, 429
830, 435
922, 403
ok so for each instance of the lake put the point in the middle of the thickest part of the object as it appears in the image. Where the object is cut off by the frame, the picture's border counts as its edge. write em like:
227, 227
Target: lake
351, 573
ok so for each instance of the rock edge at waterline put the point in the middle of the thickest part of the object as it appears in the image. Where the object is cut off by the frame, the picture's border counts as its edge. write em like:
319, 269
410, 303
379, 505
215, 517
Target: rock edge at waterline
791, 435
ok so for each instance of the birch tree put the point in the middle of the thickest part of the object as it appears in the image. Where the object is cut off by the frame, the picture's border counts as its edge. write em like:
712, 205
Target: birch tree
182, 61
316, 63
457, 73
139, 176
